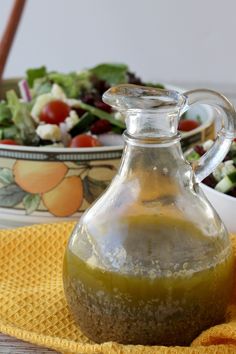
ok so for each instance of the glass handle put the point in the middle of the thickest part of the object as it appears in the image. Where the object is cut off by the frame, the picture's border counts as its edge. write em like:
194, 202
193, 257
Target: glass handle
211, 159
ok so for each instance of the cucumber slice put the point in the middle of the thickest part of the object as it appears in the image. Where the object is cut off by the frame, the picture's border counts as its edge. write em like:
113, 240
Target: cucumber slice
232, 177
83, 125
102, 114
227, 183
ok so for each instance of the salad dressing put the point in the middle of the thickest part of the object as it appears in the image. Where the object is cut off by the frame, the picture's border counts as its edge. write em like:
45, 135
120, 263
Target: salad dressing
153, 305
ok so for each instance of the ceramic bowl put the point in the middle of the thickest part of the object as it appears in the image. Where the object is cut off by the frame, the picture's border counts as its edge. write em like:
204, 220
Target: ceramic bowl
224, 204
54, 184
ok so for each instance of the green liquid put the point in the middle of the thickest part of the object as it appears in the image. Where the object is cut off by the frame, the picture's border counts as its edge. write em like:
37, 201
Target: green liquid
168, 309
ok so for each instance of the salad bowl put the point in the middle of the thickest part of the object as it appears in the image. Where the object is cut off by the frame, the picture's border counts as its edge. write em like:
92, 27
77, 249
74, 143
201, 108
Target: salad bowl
47, 184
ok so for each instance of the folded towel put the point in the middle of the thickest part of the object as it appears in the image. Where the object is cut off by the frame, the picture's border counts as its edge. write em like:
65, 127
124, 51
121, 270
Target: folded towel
33, 307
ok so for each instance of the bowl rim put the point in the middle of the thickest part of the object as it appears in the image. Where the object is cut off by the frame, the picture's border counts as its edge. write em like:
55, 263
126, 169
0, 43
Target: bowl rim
59, 150
60, 154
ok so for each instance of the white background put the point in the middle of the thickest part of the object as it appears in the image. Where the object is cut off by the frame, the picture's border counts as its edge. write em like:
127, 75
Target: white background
173, 41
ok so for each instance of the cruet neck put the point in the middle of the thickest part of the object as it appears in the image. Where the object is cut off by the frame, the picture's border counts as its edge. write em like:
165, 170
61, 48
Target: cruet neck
149, 112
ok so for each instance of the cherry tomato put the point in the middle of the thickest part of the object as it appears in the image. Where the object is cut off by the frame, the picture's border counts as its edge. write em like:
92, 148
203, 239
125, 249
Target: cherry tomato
8, 142
54, 112
84, 140
185, 125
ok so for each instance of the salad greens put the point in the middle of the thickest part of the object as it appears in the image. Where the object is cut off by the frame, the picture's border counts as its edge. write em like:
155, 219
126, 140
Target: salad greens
5, 114
22, 119
41, 86
72, 84
33, 74
37, 118
113, 74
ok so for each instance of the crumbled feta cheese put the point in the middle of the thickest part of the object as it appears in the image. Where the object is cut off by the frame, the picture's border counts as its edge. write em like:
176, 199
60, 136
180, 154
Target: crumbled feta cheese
72, 120
49, 132
57, 92
217, 173
40, 102
65, 137
207, 145
223, 169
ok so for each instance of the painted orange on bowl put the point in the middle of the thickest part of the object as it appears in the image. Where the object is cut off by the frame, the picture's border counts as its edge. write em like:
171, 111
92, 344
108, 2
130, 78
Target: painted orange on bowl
38, 177
66, 198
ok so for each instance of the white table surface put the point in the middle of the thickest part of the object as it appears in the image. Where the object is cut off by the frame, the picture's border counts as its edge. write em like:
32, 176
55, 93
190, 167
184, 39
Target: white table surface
9, 345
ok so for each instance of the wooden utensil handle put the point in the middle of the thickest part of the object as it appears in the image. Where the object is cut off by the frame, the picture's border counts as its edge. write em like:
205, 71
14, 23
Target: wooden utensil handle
9, 33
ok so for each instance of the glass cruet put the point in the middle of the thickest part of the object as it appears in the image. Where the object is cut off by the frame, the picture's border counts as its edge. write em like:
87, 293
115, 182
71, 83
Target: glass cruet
150, 262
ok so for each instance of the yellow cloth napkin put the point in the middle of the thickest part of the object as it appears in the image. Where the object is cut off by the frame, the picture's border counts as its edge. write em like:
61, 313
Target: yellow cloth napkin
33, 307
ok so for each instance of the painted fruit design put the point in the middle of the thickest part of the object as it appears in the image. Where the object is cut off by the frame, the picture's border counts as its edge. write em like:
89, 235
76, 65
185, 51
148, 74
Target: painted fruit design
38, 177
66, 198
60, 188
